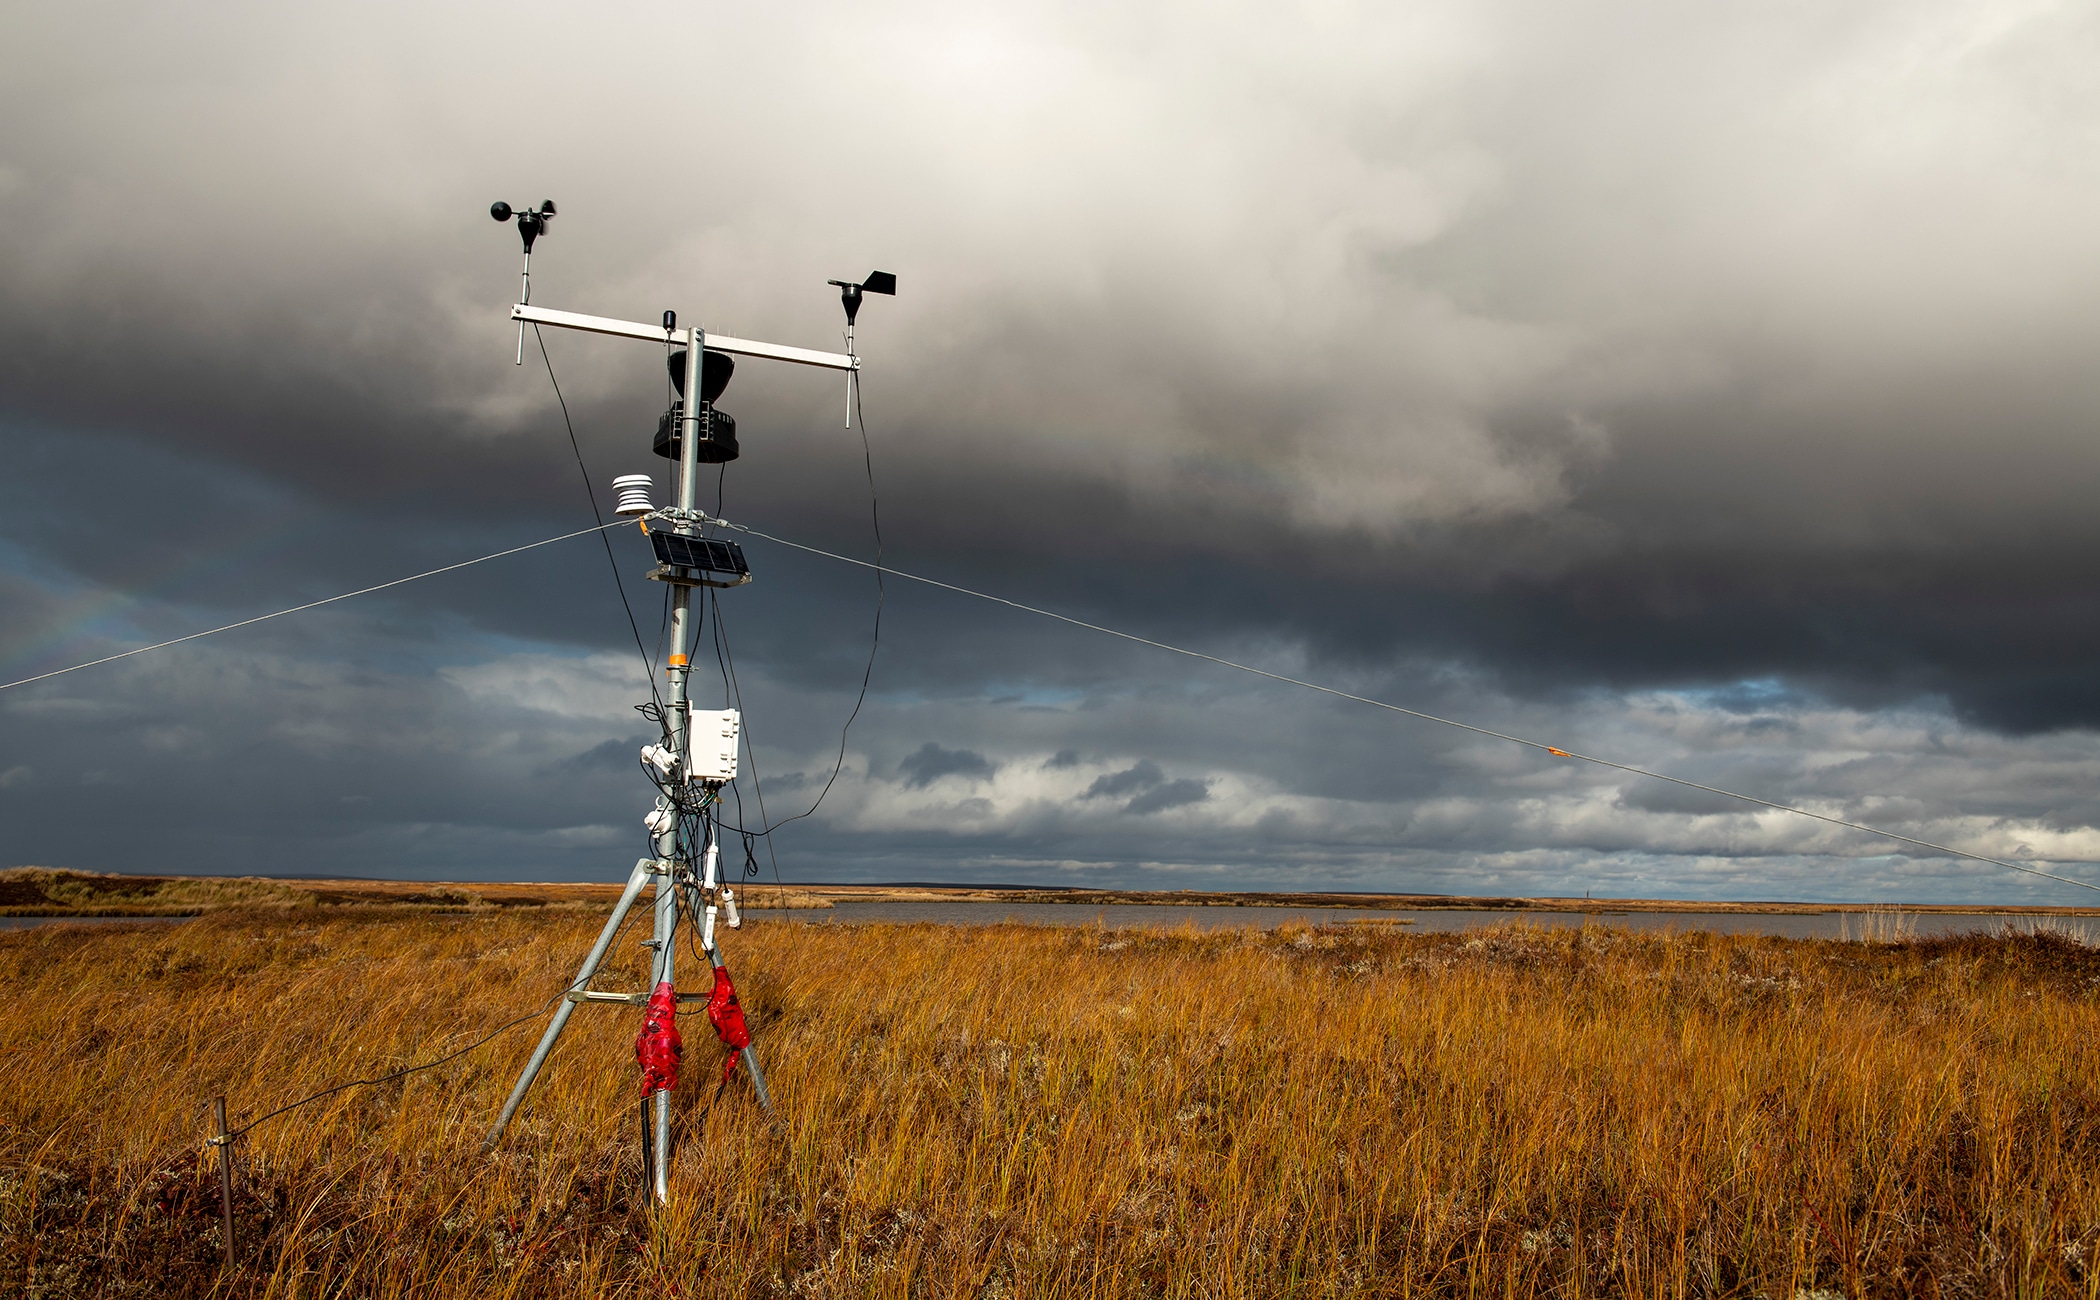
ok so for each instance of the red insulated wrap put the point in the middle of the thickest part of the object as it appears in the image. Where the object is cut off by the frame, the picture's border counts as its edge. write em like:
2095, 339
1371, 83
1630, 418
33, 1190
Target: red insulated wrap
728, 1018
658, 1049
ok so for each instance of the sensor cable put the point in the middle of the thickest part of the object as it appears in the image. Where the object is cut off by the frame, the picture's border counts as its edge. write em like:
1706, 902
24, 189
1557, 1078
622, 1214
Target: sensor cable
874, 643
405, 1071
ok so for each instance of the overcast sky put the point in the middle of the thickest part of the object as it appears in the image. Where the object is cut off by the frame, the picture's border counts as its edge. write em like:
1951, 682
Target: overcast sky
1712, 388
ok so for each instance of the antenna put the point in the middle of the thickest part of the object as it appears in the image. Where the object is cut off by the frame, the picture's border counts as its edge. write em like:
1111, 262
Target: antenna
881, 282
532, 223
697, 754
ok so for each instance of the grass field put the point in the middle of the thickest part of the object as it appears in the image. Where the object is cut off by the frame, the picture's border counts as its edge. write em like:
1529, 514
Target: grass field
1014, 1111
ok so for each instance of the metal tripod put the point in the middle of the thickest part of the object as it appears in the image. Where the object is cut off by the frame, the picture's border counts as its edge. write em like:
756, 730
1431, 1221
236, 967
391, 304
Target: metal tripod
667, 905
683, 872
678, 889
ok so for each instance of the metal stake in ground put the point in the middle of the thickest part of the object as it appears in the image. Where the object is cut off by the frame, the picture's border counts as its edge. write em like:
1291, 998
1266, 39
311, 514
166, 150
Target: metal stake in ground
224, 1141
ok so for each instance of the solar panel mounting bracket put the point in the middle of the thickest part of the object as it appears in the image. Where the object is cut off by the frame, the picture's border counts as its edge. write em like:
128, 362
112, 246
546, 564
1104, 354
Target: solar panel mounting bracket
679, 576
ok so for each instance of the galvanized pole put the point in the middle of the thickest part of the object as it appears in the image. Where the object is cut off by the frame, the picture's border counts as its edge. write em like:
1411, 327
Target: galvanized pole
681, 597
691, 428
679, 664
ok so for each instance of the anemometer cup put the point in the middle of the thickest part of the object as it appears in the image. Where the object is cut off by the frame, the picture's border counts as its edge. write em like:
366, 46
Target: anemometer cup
532, 222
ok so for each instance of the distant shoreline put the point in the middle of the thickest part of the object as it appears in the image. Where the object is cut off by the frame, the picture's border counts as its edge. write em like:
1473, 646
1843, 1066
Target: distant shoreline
33, 891
1391, 902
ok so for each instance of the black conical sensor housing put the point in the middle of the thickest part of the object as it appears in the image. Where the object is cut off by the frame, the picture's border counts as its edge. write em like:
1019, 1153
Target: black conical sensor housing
718, 448
715, 370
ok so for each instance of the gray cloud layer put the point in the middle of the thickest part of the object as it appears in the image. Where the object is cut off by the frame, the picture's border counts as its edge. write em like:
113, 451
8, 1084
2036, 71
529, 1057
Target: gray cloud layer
1680, 376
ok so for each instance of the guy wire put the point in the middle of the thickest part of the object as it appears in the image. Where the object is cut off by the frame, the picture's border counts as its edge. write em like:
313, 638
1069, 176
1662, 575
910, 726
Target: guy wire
1554, 750
311, 604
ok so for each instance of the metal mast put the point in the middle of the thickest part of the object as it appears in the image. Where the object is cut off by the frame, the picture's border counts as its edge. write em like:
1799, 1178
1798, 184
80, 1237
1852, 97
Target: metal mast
685, 875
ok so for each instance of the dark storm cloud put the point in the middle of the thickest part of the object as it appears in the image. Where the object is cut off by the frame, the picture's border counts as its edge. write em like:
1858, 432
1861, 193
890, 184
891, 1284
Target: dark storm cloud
1138, 776
1171, 794
1520, 359
929, 763
1149, 789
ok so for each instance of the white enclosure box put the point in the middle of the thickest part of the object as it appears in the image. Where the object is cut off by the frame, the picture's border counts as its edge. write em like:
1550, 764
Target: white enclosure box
713, 736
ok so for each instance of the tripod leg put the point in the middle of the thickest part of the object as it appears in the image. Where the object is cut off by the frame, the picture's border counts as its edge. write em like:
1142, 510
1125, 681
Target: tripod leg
758, 1079
758, 1076
635, 880
666, 949
648, 1158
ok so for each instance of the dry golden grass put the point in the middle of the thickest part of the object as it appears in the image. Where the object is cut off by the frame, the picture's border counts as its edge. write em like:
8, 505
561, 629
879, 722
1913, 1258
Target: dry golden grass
42, 891
1030, 1112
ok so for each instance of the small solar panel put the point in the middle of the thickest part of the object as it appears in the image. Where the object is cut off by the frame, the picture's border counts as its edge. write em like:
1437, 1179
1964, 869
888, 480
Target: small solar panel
707, 554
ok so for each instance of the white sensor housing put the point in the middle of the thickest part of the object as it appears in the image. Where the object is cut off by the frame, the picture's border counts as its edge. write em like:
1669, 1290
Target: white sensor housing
632, 491
712, 736
663, 760
661, 821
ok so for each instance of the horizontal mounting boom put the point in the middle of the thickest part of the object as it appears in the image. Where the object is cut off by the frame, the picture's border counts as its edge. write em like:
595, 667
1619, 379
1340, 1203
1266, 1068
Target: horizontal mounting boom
628, 329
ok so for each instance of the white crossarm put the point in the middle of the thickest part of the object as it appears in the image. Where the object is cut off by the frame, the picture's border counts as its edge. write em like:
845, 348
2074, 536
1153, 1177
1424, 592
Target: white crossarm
628, 329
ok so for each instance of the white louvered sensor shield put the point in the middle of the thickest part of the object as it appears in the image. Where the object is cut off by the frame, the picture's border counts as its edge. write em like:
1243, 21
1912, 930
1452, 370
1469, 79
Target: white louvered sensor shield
632, 492
713, 735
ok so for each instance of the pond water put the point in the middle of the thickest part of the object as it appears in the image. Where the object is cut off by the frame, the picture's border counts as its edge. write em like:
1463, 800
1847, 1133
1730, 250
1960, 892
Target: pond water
1819, 925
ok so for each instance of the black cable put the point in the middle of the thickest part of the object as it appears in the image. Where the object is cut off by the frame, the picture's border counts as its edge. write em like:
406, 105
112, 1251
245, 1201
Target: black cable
663, 630
881, 594
648, 666
427, 1065
430, 1065
714, 601
729, 698
750, 747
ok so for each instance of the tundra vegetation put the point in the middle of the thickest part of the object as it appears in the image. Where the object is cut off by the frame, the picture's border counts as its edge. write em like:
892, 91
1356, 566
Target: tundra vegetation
1018, 1111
